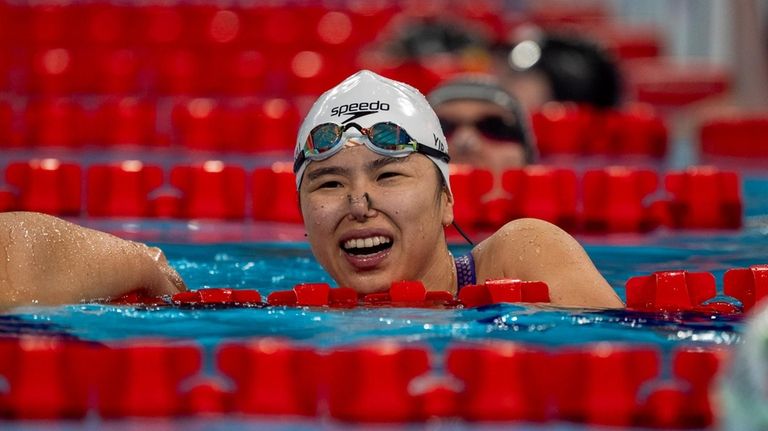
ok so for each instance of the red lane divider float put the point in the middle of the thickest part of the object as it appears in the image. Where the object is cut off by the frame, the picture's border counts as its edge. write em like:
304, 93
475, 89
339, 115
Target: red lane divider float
502, 381
371, 382
382, 381
703, 197
748, 285
144, 379
736, 136
272, 377
614, 200
599, 384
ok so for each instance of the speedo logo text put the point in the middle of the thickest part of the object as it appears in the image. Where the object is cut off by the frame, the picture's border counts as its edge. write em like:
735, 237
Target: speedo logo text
357, 110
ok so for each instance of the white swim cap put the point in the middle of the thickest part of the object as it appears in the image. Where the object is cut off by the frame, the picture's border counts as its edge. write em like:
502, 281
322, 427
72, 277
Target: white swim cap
366, 98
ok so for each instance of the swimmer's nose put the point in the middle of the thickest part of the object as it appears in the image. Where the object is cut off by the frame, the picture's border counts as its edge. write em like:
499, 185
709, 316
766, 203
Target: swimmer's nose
360, 206
464, 140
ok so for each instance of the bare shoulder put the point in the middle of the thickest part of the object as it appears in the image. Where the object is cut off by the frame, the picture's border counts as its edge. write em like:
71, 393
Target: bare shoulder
513, 244
535, 250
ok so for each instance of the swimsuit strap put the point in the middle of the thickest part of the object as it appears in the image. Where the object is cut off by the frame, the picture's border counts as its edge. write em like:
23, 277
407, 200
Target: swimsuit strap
465, 270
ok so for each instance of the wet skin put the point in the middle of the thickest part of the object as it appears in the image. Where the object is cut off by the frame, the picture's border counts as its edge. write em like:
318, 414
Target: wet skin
403, 206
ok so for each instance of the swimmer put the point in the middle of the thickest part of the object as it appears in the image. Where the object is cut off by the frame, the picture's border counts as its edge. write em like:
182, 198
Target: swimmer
485, 125
47, 261
371, 165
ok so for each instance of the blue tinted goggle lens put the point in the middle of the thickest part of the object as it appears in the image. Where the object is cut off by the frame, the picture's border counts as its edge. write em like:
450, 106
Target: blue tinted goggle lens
387, 136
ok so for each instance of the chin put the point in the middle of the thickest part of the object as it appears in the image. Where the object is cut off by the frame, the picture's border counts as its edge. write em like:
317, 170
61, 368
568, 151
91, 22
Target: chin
367, 285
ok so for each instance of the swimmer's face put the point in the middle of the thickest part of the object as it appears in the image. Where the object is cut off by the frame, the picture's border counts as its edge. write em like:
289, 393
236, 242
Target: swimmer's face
471, 146
392, 235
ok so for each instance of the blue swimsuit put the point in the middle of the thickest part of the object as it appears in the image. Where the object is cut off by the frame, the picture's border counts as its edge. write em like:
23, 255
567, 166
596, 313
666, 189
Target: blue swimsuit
465, 271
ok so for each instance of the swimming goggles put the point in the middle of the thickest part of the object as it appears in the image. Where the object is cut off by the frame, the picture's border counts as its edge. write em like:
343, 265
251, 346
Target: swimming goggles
493, 127
387, 139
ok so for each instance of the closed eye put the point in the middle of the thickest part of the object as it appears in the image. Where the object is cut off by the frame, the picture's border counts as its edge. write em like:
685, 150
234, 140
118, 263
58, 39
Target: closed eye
329, 185
388, 175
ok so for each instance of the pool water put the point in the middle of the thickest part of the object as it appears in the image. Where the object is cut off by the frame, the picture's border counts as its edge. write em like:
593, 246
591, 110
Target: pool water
275, 257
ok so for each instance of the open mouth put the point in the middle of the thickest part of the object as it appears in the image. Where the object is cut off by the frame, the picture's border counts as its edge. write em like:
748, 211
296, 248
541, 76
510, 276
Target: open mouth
366, 246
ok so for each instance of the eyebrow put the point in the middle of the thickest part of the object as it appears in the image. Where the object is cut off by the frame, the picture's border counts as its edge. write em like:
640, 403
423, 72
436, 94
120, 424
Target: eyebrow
331, 170
384, 161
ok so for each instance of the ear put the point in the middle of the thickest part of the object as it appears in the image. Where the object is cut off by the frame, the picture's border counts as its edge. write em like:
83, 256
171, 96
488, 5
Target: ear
446, 207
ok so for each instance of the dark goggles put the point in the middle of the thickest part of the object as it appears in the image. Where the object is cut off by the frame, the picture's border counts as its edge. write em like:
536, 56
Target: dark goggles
387, 139
492, 127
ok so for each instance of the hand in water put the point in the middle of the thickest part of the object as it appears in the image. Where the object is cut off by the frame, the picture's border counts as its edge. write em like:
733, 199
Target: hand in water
46, 260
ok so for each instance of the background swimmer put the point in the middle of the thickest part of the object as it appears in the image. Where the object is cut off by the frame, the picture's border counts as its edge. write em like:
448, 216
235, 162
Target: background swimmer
375, 195
485, 125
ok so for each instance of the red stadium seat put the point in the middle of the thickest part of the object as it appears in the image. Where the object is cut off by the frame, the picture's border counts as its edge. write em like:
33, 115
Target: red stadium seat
543, 192
312, 73
242, 73
54, 122
122, 190
197, 123
180, 71
221, 27
210, 190
274, 194
468, 185
562, 128
614, 199
8, 135
126, 121
161, 25
663, 82
275, 122
47, 24
114, 71
47, 185
108, 24
55, 72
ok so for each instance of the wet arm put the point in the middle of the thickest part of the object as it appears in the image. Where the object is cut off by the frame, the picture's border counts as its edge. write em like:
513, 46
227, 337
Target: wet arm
46, 260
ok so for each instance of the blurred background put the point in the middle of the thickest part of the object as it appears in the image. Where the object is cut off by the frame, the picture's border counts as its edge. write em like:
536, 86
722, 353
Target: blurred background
109, 88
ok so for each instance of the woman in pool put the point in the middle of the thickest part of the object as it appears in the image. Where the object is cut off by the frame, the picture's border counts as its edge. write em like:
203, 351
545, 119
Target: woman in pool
371, 169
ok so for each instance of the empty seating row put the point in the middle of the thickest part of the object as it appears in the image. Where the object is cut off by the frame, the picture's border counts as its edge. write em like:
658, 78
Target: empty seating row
250, 125
272, 26
380, 381
563, 128
615, 199
180, 71
200, 124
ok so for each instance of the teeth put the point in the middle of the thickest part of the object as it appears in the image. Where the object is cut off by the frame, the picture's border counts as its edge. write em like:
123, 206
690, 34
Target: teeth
365, 242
